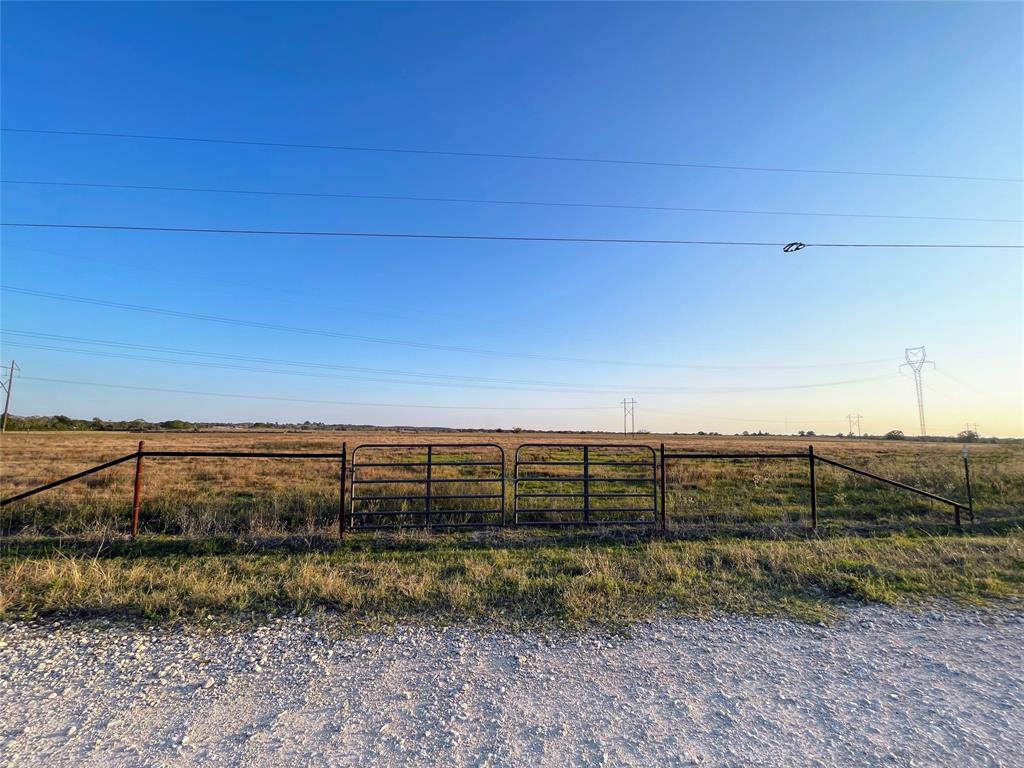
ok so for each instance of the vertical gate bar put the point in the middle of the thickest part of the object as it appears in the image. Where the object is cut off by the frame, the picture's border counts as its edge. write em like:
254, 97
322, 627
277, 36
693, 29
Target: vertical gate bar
814, 488
967, 477
137, 493
502, 451
430, 459
664, 519
515, 489
956, 515
586, 483
341, 488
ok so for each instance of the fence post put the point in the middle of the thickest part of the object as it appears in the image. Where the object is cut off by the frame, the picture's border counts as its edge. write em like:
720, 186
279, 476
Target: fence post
814, 488
341, 489
664, 519
137, 495
430, 467
967, 477
586, 483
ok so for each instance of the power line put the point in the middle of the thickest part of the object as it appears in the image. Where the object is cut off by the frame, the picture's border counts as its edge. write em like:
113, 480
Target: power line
274, 361
565, 389
307, 374
791, 246
387, 341
316, 365
487, 201
506, 156
316, 401
741, 419
401, 235
280, 292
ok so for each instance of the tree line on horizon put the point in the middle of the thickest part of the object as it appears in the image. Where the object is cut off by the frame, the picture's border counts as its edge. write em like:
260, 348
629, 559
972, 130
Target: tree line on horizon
60, 423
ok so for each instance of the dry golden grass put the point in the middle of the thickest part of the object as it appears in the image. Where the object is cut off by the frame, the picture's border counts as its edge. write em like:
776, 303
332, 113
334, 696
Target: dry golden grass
216, 536
206, 496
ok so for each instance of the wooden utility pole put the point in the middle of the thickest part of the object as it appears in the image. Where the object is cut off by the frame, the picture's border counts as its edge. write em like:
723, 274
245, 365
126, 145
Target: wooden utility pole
7, 400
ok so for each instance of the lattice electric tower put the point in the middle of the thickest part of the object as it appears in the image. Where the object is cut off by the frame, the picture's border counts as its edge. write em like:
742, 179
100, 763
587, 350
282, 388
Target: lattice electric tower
629, 410
917, 358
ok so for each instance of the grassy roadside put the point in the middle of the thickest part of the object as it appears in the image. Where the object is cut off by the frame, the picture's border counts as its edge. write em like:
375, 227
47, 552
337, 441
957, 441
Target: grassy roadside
499, 579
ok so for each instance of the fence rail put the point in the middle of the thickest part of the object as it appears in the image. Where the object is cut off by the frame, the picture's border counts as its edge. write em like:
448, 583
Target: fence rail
812, 459
425, 505
611, 486
620, 473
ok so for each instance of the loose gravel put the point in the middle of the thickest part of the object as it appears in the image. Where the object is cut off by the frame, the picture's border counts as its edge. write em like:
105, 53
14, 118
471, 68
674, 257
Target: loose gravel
882, 687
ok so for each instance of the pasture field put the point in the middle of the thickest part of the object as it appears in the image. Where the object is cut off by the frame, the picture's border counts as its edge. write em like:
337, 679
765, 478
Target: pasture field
256, 536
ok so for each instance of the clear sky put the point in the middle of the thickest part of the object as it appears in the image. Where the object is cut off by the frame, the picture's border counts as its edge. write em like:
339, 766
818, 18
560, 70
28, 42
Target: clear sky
800, 340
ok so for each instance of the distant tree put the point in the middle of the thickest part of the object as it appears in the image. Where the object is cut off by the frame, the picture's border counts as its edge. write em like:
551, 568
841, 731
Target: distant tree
894, 434
810, 433
175, 424
967, 436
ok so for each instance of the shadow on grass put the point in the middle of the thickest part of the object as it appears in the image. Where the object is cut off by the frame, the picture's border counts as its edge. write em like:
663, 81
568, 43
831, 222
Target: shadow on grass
160, 545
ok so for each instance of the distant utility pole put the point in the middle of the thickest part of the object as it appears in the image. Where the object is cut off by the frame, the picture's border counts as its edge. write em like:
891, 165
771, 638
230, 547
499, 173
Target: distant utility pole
7, 388
916, 359
852, 417
629, 409
972, 427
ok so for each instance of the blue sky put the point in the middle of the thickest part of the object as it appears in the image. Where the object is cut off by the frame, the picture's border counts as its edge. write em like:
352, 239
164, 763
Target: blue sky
918, 88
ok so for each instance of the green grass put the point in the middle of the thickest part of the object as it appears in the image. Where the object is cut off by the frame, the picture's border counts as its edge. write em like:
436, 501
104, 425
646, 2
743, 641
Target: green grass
504, 578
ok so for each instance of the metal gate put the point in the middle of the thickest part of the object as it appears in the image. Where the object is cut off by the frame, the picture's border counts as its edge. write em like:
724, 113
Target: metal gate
442, 485
585, 484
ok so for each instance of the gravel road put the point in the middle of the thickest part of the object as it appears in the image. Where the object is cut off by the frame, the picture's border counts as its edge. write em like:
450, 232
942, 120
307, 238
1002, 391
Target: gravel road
883, 687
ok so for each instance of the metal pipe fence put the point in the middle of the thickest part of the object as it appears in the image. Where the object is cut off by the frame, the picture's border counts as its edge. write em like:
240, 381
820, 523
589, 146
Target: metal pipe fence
576, 483
812, 459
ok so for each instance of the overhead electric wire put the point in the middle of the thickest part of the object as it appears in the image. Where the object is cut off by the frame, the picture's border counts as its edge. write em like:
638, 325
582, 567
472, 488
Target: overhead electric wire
235, 395
745, 420
306, 374
275, 361
488, 201
361, 369
400, 235
400, 342
507, 155
568, 390
502, 238
281, 293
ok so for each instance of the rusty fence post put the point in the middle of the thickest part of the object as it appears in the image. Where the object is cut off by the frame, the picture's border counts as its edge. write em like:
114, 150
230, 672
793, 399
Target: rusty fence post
137, 495
664, 518
967, 478
341, 488
814, 488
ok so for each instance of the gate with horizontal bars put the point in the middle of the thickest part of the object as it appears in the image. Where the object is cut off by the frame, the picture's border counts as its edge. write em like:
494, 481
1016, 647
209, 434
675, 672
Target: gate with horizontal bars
462, 485
585, 484
439, 485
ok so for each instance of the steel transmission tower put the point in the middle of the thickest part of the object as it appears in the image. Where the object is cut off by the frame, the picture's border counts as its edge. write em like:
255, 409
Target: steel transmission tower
854, 417
629, 410
7, 399
917, 358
